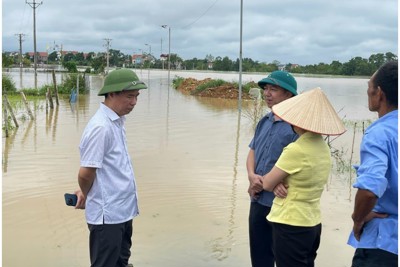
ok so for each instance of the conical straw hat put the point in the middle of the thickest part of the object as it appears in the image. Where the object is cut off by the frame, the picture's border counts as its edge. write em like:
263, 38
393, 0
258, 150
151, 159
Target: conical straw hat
310, 111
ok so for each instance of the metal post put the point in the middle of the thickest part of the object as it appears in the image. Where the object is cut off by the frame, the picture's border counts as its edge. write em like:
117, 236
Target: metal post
240, 58
169, 51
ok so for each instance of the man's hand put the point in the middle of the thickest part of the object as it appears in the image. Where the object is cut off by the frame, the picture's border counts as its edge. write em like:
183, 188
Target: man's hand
256, 185
358, 226
357, 229
80, 204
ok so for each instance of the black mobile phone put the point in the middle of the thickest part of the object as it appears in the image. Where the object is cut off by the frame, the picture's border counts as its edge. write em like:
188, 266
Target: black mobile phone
70, 199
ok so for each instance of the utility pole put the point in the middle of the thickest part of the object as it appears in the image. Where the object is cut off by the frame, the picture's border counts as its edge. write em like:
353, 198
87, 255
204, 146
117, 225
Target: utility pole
149, 56
20, 36
34, 5
107, 45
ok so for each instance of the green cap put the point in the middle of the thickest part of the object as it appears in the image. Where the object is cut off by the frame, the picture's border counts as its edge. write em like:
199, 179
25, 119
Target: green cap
282, 79
121, 80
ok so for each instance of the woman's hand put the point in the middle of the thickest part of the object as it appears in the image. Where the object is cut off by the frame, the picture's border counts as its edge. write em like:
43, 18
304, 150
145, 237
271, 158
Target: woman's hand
280, 190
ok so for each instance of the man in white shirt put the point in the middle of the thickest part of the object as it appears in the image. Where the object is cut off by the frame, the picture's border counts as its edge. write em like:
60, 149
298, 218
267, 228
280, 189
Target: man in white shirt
106, 177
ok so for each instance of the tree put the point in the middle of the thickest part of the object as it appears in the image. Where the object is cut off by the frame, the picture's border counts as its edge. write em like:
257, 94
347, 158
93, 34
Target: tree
70, 66
176, 61
7, 60
68, 57
98, 64
116, 58
390, 56
52, 57
80, 59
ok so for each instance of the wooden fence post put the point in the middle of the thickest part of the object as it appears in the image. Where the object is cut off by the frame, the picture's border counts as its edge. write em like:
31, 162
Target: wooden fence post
5, 115
55, 87
50, 97
27, 106
11, 111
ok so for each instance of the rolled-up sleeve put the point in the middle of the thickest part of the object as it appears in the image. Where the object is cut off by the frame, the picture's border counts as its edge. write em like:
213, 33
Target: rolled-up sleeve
374, 158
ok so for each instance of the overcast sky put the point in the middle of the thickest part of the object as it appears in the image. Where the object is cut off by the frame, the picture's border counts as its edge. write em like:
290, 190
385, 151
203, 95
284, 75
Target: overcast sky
289, 31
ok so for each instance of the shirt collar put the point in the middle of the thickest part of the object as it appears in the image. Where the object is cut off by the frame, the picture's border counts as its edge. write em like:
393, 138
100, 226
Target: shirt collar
272, 117
111, 113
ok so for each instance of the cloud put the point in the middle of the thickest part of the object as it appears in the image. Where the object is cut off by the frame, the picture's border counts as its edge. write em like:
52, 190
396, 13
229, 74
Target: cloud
291, 31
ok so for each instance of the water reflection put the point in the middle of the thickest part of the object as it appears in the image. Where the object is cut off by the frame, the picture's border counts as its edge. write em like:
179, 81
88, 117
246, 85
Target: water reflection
222, 246
7, 147
189, 156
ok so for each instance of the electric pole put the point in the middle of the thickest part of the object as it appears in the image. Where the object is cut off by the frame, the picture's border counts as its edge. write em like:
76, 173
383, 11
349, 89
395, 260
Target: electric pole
34, 5
20, 36
107, 45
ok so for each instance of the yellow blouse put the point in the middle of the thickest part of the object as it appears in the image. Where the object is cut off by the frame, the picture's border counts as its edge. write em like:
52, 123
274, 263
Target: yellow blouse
308, 163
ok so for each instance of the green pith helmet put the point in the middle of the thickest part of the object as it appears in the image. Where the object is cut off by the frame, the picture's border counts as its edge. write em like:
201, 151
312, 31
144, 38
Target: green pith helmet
121, 80
282, 79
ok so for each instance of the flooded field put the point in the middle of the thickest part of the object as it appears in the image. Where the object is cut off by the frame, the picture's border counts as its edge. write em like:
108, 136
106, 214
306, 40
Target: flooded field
189, 156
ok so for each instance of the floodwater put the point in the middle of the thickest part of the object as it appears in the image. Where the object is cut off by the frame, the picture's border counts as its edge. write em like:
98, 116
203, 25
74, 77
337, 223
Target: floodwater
189, 156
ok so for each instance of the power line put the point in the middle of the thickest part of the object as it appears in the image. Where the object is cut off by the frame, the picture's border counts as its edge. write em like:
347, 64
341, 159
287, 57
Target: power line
190, 24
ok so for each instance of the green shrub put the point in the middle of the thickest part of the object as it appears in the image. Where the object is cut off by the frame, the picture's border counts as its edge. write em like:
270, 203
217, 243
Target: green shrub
70, 83
8, 85
246, 87
177, 81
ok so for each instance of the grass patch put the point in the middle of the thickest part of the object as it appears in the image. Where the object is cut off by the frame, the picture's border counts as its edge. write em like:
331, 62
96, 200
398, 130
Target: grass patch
209, 84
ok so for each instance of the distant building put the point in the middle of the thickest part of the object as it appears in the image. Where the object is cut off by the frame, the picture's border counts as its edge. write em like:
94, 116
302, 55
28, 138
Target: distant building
41, 56
137, 59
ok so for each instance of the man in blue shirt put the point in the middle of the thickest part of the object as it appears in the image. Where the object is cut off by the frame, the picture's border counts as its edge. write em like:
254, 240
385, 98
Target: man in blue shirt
271, 136
375, 215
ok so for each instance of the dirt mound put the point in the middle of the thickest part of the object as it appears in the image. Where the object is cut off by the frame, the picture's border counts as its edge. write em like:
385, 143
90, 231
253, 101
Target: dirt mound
228, 90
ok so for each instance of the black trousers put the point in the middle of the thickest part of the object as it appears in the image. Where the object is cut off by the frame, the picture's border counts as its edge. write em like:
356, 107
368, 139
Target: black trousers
295, 245
110, 244
374, 258
260, 234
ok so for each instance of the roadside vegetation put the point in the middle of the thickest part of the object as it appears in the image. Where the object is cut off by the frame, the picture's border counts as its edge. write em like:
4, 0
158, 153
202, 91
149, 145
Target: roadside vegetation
65, 88
96, 63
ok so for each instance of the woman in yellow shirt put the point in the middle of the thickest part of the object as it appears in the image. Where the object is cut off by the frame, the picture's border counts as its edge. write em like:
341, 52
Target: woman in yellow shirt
299, 176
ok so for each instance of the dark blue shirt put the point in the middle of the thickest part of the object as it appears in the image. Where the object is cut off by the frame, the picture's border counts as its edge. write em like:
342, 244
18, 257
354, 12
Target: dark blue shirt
269, 140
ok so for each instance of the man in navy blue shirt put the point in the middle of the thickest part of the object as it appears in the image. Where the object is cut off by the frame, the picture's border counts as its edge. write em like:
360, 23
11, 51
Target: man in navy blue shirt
375, 216
271, 136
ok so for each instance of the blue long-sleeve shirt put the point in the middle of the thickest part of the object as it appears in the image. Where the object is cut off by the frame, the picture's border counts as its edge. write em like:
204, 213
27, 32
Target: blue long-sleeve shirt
378, 173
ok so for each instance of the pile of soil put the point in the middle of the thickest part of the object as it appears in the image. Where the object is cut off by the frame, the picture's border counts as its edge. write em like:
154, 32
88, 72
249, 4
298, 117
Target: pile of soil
227, 91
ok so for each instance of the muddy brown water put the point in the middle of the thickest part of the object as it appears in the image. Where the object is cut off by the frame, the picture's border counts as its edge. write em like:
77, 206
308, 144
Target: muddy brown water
189, 157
